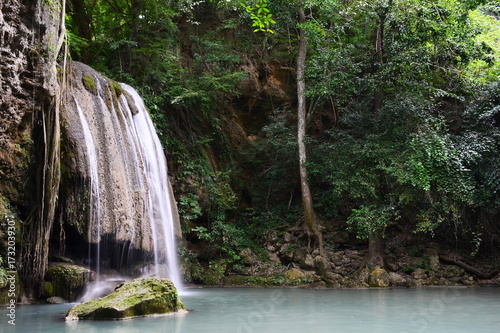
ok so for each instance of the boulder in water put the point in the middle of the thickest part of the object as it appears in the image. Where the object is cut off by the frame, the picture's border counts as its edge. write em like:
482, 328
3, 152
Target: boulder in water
136, 298
67, 280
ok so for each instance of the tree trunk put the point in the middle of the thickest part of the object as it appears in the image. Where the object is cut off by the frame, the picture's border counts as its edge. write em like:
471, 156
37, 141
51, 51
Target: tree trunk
83, 21
310, 218
376, 253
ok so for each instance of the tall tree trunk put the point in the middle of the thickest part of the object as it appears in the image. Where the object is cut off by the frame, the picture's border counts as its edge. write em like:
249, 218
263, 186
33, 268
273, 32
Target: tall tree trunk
82, 17
376, 251
310, 219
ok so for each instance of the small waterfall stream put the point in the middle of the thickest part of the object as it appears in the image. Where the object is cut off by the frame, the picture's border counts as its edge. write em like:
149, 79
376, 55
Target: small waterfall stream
132, 217
94, 200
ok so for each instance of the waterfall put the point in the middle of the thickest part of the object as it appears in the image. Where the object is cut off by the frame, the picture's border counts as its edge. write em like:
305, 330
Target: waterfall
132, 217
159, 201
94, 199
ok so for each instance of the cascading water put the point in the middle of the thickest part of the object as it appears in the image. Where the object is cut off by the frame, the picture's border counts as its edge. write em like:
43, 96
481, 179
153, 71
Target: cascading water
133, 220
94, 200
159, 201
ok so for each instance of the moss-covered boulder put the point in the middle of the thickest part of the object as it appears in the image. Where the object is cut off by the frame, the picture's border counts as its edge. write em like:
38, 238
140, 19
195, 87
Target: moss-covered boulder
67, 280
379, 278
140, 297
294, 274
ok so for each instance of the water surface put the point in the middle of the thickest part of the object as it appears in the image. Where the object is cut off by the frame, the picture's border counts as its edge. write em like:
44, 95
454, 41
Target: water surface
433, 310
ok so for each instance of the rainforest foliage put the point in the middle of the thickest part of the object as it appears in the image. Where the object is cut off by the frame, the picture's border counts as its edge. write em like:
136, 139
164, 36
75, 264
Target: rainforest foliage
402, 102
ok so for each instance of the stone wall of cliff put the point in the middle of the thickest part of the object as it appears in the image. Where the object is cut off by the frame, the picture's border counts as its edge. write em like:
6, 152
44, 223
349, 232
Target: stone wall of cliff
30, 34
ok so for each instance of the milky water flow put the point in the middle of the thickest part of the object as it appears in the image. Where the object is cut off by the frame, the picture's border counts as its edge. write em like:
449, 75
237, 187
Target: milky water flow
143, 140
94, 202
158, 195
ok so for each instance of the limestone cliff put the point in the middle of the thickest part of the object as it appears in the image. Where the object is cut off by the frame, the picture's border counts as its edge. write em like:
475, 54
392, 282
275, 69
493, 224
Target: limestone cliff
29, 45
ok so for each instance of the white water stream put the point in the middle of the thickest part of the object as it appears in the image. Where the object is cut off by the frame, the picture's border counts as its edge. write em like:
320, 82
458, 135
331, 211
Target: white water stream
130, 203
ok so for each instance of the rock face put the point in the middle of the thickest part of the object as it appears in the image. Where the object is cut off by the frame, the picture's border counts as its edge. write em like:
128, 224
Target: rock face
116, 201
30, 32
67, 280
27, 82
140, 297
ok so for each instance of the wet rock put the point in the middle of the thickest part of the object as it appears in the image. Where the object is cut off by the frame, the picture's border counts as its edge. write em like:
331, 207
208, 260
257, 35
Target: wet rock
140, 297
378, 278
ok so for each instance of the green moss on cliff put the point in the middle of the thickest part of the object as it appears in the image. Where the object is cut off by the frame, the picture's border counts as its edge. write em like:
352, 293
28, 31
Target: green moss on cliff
89, 83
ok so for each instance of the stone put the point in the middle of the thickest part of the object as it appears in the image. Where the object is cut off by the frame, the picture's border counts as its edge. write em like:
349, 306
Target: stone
295, 274
67, 280
392, 266
56, 300
284, 248
307, 262
322, 266
248, 258
419, 274
378, 278
272, 236
331, 276
336, 258
136, 298
274, 257
299, 255
397, 280
287, 237
450, 271
433, 257
362, 275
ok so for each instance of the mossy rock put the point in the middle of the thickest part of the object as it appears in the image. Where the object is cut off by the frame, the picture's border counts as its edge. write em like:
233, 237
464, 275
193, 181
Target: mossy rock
136, 298
48, 289
294, 274
68, 280
215, 272
89, 83
379, 278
